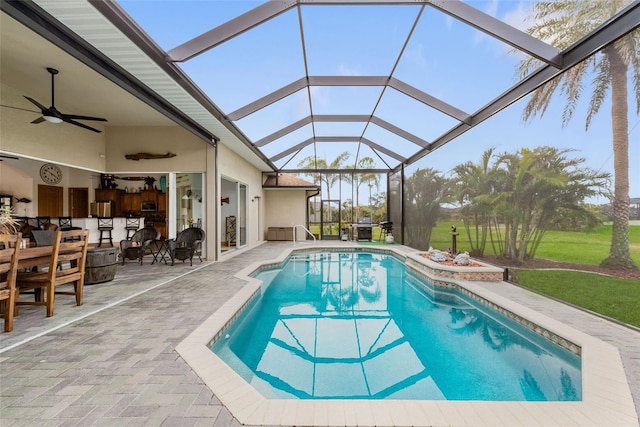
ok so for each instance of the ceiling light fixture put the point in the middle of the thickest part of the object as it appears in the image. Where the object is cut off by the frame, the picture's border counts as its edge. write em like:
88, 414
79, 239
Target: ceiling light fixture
52, 119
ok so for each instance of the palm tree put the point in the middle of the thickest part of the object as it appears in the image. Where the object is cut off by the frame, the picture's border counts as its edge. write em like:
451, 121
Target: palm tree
425, 189
563, 22
329, 179
542, 184
474, 187
360, 178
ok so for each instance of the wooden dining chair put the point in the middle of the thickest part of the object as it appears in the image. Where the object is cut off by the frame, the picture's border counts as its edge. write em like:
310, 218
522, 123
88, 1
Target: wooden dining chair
71, 254
9, 252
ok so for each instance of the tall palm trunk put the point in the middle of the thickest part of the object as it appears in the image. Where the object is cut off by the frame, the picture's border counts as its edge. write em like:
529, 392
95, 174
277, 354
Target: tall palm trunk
619, 255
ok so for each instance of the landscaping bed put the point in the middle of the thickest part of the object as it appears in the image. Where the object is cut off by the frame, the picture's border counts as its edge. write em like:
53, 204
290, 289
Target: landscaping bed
538, 263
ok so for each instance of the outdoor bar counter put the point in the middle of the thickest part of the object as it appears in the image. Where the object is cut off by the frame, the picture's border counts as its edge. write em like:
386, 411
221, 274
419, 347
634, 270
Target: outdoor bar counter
118, 233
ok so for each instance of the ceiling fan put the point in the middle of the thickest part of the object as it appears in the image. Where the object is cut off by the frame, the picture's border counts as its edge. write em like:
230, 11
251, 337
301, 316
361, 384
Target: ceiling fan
52, 115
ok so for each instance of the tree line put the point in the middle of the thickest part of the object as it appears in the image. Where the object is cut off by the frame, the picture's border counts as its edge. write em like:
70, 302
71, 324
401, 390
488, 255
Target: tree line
506, 201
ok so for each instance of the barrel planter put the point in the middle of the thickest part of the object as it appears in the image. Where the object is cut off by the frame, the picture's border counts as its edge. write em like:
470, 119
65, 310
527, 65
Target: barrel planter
101, 265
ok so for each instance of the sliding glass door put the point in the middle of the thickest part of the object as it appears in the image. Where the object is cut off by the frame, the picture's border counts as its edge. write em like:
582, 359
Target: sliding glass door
242, 214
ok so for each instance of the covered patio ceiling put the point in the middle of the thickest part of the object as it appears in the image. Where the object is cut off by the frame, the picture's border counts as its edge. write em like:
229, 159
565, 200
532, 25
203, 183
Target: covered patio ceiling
289, 81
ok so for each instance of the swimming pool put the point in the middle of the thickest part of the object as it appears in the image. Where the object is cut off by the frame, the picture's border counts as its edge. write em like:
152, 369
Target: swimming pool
358, 325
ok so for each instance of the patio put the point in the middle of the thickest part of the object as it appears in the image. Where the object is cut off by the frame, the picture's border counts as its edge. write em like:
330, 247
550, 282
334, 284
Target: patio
112, 361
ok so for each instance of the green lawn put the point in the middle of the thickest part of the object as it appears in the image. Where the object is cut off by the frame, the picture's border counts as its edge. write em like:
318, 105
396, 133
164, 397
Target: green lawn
611, 296
566, 246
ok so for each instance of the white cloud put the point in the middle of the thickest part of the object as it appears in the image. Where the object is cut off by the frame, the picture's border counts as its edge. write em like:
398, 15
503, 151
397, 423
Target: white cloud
319, 96
519, 17
491, 10
344, 70
415, 55
301, 106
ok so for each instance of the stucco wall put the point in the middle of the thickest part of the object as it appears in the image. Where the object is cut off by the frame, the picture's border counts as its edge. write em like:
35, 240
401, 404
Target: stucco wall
235, 168
19, 184
286, 208
190, 150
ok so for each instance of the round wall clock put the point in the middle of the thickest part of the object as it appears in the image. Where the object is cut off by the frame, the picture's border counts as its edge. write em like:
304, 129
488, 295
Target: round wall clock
50, 173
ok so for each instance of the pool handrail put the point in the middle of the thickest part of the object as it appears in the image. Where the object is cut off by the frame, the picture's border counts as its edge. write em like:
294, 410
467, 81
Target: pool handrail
305, 229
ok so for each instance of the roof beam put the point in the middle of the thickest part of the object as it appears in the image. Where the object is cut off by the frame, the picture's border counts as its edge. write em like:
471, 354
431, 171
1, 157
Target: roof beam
337, 139
341, 118
384, 150
293, 149
500, 30
400, 132
284, 131
477, 19
618, 26
348, 80
229, 30
334, 171
269, 99
429, 100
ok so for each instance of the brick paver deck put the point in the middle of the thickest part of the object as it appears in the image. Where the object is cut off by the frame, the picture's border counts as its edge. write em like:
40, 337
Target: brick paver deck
111, 362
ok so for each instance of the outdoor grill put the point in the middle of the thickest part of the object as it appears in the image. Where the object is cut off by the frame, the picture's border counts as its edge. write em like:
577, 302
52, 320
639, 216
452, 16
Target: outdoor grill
362, 230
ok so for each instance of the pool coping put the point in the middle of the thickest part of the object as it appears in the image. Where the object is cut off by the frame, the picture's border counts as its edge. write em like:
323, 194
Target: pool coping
606, 396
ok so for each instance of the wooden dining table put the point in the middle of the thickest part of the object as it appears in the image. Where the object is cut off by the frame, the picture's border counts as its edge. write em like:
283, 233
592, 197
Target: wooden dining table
34, 257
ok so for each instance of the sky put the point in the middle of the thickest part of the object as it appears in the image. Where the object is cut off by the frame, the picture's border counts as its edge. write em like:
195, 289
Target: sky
444, 58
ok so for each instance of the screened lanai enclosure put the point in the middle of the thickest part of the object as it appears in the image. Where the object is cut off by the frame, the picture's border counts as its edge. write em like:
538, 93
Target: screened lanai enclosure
363, 97
384, 104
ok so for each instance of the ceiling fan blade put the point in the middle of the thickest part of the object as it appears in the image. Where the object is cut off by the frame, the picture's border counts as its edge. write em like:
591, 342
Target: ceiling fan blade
54, 116
18, 108
82, 125
33, 101
76, 117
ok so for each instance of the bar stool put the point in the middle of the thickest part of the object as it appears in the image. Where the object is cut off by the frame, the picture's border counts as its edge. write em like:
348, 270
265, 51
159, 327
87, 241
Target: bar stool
131, 225
66, 223
105, 225
41, 221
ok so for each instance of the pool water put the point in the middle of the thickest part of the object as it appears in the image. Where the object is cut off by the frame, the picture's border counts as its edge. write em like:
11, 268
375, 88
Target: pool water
358, 325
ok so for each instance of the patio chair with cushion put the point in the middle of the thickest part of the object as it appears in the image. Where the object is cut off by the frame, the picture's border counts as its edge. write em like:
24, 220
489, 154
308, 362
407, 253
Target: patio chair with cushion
186, 244
139, 244
71, 255
9, 251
